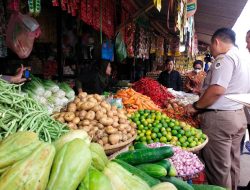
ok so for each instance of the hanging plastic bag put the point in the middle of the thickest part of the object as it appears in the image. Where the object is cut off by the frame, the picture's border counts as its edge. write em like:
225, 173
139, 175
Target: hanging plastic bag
21, 33
121, 50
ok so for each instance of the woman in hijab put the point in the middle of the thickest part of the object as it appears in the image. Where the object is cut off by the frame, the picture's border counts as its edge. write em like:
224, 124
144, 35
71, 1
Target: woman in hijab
97, 80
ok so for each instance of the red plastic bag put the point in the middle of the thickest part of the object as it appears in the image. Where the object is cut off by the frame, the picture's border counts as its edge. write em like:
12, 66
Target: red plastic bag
21, 33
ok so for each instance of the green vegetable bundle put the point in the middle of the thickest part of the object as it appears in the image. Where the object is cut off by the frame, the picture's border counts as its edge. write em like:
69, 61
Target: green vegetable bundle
18, 112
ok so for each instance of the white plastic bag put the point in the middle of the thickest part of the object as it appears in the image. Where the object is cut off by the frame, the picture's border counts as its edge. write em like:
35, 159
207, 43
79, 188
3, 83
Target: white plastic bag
21, 33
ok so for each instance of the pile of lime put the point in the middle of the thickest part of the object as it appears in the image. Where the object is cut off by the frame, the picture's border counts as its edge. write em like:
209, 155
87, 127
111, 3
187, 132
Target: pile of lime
154, 126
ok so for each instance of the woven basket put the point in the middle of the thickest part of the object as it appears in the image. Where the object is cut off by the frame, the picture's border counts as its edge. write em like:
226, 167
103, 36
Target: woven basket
117, 147
198, 148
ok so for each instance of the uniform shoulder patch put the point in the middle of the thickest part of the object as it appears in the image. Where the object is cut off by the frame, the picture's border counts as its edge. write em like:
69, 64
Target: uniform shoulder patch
217, 65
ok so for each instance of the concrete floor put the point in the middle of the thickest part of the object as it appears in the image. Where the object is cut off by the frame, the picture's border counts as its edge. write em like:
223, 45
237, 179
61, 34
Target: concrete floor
245, 167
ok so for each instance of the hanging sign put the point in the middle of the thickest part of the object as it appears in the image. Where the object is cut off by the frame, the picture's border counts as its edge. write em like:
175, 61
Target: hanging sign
157, 4
191, 7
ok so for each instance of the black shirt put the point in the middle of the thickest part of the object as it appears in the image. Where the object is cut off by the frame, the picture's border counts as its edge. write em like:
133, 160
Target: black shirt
171, 80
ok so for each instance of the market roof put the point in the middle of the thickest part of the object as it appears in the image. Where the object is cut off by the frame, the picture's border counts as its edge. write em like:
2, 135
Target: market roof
214, 14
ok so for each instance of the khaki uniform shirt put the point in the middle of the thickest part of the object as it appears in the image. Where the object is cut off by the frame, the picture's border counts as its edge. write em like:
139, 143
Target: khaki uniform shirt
229, 71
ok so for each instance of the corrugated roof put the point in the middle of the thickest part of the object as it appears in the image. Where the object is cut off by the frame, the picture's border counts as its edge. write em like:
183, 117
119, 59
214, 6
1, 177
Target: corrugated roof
214, 14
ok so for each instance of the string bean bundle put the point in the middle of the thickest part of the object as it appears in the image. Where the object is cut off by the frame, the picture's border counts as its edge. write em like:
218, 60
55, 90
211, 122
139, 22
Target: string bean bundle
18, 112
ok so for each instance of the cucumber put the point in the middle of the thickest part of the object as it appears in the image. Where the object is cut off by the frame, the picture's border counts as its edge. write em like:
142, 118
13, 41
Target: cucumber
142, 156
165, 163
144, 176
139, 145
207, 187
172, 171
153, 170
178, 183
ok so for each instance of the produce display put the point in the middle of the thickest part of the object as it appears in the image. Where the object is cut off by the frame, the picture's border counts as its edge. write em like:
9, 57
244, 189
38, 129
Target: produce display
51, 95
187, 164
176, 110
18, 112
134, 101
154, 126
104, 123
153, 89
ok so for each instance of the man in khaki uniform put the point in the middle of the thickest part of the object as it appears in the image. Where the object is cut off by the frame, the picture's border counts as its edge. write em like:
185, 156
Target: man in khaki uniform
223, 120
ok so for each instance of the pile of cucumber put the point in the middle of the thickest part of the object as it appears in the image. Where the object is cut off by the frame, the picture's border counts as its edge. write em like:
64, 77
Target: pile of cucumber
151, 165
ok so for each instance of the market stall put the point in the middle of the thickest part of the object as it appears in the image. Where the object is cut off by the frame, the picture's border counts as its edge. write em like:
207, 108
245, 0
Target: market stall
132, 136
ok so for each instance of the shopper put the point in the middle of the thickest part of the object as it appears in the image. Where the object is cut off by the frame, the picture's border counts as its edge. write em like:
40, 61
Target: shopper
17, 79
195, 78
223, 120
97, 80
170, 78
247, 111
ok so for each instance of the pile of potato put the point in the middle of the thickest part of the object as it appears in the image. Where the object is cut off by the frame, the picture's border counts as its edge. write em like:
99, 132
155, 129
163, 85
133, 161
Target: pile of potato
106, 124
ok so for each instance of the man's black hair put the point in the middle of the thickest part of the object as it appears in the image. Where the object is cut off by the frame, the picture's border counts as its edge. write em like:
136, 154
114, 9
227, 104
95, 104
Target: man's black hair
168, 60
198, 62
226, 35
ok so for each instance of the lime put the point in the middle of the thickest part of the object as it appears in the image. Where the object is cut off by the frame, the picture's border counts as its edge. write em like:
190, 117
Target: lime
190, 139
147, 111
203, 136
138, 123
146, 128
148, 137
182, 140
137, 138
188, 133
178, 143
156, 130
138, 131
168, 129
182, 132
145, 123
156, 140
176, 127
142, 134
179, 136
171, 124
193, 144
153, 135
150, 125
199, 143
169, 137
177, 123
141, 127
164, 133
184, 144
163, 139
158, 117
182, 124
148, 132
162, 129
174, 139
159, 135
167, 120
196, 139
173, 142
174, 132
165, 125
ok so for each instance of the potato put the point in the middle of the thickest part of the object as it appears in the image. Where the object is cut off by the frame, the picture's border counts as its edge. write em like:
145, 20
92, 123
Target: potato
78, 106
82, 95
98, 97
60, 119
124, 131
71, 107
99, 115
87, 128
129, 136
87, 106
69, 116
103, 110
82, 114
106, 105
114, 138
93, 122
110, 130
110, 114
133, 125
122, 127
92, 100
106, 121
122, 121
105, 140
115, 113
132, 132
116, 119
122, 116
113, 108
128, 128
62, 114
85, 122
96, 108
99, 134
90, 115
77, 100
76, 120
100, 126
72, 125
124, 137
115, 124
